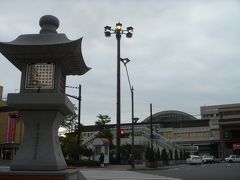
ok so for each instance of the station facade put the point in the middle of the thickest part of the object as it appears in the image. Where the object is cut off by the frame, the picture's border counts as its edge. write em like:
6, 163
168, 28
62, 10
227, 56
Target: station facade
216, 133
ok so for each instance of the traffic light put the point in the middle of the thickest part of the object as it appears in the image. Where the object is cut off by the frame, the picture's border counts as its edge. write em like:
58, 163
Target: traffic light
122, 133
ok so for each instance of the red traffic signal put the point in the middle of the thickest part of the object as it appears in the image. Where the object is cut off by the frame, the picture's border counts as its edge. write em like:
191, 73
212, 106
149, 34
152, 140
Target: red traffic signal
122, 132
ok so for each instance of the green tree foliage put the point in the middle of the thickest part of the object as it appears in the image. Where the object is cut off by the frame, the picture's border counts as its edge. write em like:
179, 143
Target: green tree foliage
164, 155
151, 155
125, 151
86, 152
186, 155
70, 123
104, 132
69, 145
181, 155
158, 157
147, 152
102, 121
170, 155
176, 157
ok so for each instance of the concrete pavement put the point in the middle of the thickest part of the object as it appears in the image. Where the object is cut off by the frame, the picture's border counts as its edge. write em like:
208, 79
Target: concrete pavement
116, 172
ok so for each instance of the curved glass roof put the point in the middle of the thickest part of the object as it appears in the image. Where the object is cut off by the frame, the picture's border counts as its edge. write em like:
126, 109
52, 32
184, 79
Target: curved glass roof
170, 116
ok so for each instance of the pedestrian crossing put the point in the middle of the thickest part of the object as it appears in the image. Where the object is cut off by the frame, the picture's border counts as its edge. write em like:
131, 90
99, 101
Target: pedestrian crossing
121, 175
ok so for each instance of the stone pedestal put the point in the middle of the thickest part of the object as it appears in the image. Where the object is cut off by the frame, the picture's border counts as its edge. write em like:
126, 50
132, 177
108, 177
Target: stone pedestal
42, 114
69, 174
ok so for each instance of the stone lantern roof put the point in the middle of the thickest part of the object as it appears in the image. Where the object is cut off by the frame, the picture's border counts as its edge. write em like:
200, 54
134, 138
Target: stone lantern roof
47, 46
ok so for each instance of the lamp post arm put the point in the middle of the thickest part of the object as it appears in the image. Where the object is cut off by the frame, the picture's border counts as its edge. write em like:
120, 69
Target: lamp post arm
129, 82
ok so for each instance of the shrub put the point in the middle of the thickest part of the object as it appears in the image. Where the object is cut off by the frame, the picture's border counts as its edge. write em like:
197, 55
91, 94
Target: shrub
88, 163
170, 155
164, 155
151, 155
176, 157
158, 157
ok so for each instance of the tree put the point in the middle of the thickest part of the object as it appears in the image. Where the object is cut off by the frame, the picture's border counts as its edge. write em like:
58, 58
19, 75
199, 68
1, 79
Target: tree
86, 152
186, 154
158, 157
164, 155
151, 155
104, 132
170, 155
147, 152
176, 157
102, 121
70, 123
69, 145
181, 155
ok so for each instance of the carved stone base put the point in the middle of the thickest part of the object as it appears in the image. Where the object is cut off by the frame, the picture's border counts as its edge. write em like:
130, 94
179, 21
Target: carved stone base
69, 174
40, 149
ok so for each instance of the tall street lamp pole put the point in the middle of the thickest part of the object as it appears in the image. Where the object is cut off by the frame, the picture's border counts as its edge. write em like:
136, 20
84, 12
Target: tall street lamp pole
118, 31
151, 127
134, 120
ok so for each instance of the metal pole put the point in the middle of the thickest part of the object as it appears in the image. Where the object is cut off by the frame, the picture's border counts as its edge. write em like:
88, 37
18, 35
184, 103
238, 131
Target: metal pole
133, 153
151, 118
118, 36
133, 119
79, 120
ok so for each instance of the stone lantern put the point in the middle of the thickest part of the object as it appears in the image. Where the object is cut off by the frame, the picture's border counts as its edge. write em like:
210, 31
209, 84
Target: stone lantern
45, 59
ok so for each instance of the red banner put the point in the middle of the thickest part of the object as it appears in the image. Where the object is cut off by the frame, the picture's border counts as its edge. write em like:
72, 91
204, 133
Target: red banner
11, 128
236, 145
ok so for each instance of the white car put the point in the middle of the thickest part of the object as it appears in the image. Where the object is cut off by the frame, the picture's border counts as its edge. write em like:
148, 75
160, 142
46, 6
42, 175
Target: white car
207, 159
233, 158
194, 160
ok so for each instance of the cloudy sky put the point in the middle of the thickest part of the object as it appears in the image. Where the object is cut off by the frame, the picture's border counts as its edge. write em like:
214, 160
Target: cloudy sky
184, 54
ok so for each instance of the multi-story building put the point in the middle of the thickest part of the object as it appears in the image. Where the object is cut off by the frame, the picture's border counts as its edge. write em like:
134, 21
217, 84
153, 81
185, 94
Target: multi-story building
227, 117
217, 132
191, 134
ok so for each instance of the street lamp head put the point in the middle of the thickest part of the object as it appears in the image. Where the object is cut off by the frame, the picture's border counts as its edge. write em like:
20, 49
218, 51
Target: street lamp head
125, 60
118, 26
129, 32
107, 31
135, 119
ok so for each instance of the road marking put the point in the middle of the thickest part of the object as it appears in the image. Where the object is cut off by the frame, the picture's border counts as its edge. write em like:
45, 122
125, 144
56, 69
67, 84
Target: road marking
121, 175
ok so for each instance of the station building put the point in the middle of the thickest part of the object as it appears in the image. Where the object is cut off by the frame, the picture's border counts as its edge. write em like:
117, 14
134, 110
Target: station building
216, 133
227, 118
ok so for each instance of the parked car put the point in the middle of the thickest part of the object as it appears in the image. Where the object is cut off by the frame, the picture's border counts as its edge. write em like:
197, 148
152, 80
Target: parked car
194, 160
207, 159
233, 158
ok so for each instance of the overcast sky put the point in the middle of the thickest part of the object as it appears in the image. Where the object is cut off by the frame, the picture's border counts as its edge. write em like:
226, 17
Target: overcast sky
184, 53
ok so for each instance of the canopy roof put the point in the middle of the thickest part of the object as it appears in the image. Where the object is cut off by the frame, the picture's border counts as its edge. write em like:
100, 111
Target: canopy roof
171, 116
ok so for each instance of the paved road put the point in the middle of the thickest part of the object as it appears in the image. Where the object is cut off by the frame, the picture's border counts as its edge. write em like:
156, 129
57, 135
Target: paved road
221, 171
